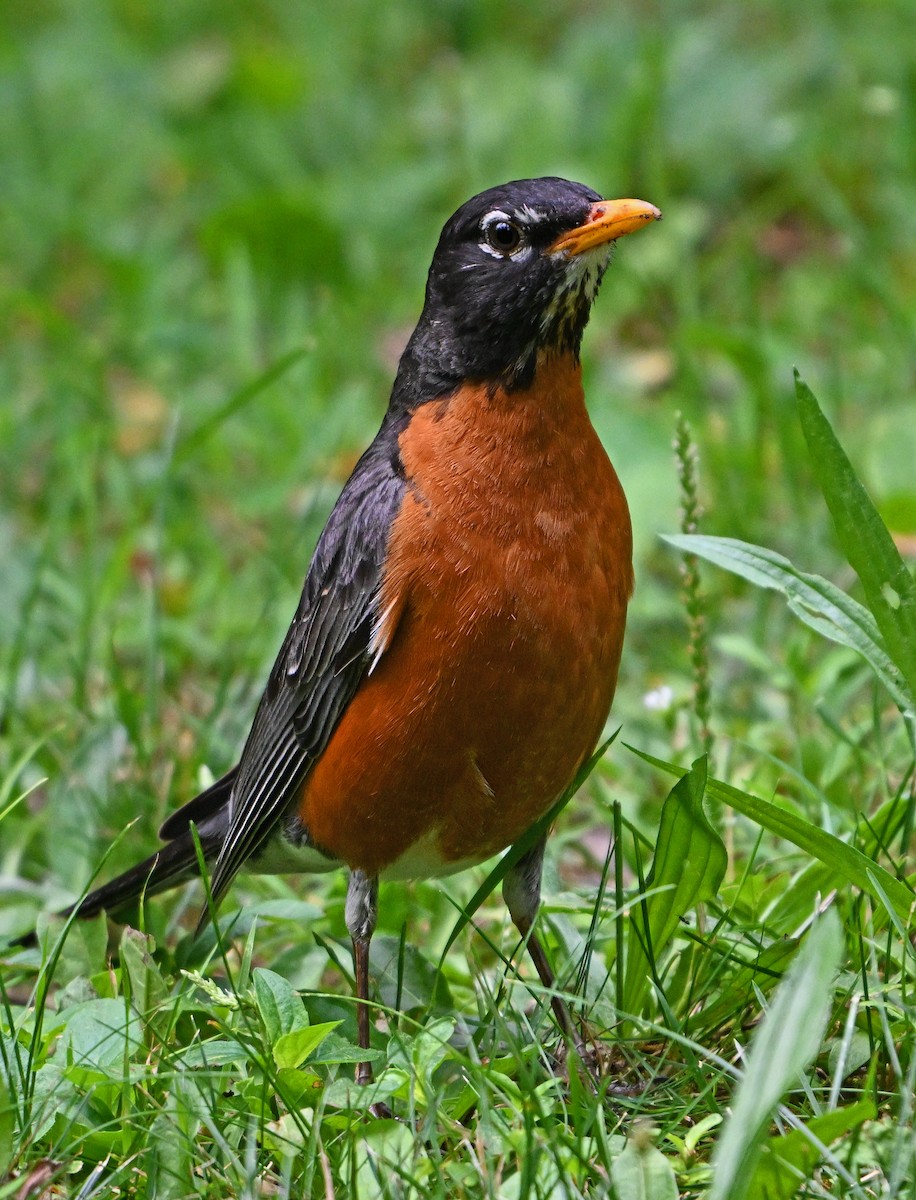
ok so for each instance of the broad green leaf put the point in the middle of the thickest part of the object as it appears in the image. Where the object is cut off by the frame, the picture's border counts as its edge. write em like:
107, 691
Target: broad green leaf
279, 1004
405, 978
83, 952
865, 539
98, 1033
214, 1053
688, 866
170, 1158
796, 902
641, 1172
293, 1048
428, 1048
822, 606
785, 1042
148, 992
302, 911
53, 1095
846, 861
801, 893
337, 1049
344, 1092
787, 1160
849, 1054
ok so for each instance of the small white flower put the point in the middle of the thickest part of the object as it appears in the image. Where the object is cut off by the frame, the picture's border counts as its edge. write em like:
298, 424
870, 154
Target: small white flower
659, 699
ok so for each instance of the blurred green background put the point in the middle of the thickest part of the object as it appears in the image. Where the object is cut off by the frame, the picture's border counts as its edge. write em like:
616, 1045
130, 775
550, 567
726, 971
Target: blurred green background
216, 220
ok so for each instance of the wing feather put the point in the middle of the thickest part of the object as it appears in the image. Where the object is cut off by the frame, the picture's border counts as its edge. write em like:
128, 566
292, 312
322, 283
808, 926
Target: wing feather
323, 658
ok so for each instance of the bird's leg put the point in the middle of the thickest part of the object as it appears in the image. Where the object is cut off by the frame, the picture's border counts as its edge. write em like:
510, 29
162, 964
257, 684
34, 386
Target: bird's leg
361, 914
522, 893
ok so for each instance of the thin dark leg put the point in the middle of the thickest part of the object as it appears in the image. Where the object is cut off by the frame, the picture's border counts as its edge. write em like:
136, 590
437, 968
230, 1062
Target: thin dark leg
522, 893
361, 914
361, 962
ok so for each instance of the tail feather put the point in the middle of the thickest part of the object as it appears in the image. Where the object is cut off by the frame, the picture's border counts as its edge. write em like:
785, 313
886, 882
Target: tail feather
175, 863
207, 806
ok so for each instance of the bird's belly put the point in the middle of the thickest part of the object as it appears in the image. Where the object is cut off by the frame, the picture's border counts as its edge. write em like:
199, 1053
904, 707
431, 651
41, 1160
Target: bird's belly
425, 859
283, 855
509, 571
440, 761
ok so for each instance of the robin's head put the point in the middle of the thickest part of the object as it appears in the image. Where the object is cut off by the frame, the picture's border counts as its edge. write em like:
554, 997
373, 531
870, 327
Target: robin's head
514, 275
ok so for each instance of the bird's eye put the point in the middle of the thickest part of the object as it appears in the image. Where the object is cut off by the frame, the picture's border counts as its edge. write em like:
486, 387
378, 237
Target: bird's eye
503, 235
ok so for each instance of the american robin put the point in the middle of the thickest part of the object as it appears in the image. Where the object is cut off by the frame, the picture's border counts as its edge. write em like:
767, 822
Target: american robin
453, 657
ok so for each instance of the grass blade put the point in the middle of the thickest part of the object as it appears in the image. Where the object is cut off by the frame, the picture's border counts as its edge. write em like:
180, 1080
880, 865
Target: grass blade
237, 401
522, 846
866, 542
849, 863
688, 866
793, 1156
822, 606
786, 1041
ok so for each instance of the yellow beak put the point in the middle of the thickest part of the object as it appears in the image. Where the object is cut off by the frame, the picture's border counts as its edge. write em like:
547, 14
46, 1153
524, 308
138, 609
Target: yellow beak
607, 220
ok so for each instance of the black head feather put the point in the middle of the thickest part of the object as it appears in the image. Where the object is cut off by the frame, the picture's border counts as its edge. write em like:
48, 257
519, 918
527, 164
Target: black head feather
495, 297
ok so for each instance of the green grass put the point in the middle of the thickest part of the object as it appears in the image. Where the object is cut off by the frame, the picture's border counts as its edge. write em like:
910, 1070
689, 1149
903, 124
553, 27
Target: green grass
216, 222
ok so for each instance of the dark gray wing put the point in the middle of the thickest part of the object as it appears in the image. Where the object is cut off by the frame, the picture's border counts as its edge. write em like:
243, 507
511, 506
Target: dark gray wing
322, 660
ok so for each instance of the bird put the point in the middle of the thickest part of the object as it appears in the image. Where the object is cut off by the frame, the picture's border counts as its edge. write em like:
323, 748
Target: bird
452, 660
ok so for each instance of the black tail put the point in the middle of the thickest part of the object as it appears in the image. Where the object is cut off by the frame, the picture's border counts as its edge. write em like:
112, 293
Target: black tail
175, 863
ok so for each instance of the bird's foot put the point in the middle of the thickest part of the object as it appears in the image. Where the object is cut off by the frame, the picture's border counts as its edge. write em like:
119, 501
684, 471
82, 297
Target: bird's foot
381, 1112
598, 1063
378, 1108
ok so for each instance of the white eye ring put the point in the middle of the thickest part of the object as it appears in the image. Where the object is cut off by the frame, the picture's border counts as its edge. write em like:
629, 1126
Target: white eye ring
503, 237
